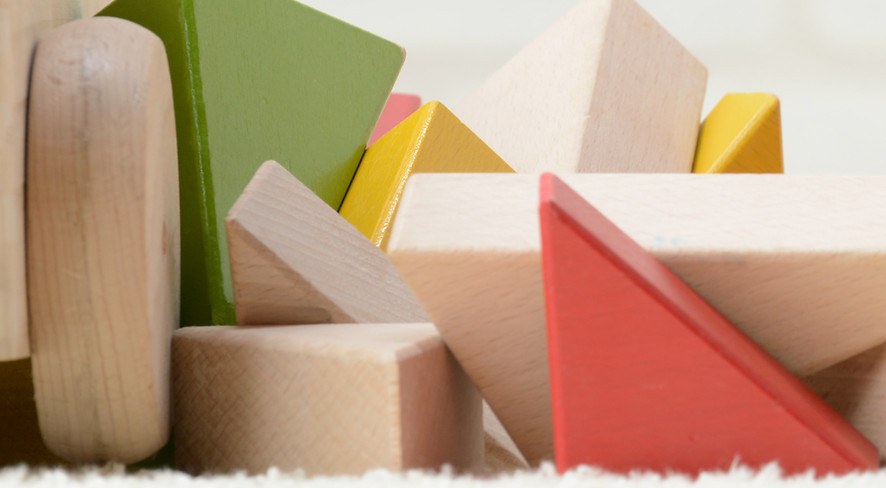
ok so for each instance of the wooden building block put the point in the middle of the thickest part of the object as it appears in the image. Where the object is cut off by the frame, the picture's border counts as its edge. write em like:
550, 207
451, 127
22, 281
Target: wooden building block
297, 261
252, 81
741, 135
329, 398
432, 140
103, 245
501, 454
604, 89
800, 275
398, 107
856, 388
646, 375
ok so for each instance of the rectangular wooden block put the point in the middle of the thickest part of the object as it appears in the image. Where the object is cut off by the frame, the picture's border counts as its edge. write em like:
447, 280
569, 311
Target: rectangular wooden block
253, 81
329, 399
796, 262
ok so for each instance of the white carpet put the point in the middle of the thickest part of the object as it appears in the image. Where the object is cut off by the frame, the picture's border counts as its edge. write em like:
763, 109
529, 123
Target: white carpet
115, 476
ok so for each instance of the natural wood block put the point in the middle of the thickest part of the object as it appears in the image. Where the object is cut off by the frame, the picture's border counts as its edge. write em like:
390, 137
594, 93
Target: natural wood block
398, 107
646, 375
330, 399
432, 140
258, 80
856, 388
103, 245
801, 276
501, 454
741, 135
604, 89
297, 261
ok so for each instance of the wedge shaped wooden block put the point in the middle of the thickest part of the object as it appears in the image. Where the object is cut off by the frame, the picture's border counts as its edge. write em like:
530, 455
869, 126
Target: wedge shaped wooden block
330, 399
800, 275
646, 375
604, 89
432, 140
297, 261
742, 134
103, 240
258, 80
398, 107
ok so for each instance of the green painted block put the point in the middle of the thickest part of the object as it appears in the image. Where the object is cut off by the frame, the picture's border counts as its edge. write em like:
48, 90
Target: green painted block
255, 80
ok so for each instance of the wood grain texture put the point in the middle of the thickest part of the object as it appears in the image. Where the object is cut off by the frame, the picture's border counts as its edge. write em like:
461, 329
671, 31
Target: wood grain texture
398, 107
856, 388
432, 140
254, 81
102, 222
330, 399
297, 261
742, 134
646, 375
796, 262
604, 89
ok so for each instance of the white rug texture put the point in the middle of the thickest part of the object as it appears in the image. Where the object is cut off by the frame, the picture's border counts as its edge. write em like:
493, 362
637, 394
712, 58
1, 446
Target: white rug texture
545, 476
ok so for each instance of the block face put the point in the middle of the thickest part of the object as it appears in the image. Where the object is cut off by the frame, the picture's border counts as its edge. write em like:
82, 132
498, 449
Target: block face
278, 81
398, 107
683, 389
432, 140
742, 134
102, 240
604, 89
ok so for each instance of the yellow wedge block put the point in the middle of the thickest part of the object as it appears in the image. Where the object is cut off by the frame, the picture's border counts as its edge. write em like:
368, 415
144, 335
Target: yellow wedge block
432, 140
742, 134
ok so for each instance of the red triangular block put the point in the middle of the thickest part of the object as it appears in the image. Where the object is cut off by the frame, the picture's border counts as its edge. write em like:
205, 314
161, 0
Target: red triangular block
646, 375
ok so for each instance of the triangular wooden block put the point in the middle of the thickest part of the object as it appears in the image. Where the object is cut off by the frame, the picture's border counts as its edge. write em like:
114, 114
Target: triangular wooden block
646, 375
741, 135
432, 140
398, 107
297, 261
604, 89
255, 80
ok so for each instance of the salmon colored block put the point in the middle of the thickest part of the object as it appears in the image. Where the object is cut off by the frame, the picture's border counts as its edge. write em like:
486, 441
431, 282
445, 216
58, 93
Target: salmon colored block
646, 375
432, 140
741, 135
398, 107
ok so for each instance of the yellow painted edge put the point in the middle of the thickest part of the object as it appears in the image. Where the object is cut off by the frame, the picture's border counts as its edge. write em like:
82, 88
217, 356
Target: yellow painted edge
766, 111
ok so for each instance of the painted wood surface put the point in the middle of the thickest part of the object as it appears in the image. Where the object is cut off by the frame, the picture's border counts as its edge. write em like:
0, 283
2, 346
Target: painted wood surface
432, 140
742, 134
646, 375
800, 275
330, 399
398, 107
603, 89
257, 81
102, 224
297, 261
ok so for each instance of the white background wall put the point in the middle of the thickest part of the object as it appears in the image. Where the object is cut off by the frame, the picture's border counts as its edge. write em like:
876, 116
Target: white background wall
825, 59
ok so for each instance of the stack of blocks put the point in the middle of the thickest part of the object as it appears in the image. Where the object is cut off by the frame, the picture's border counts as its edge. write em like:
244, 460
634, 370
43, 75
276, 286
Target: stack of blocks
392, 316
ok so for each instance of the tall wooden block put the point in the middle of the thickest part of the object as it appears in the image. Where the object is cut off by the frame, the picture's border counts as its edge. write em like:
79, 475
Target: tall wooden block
102, 222
741, 135
398, 107
258, 80
432, 140
646, 375
604, 89
801, 276
330, 399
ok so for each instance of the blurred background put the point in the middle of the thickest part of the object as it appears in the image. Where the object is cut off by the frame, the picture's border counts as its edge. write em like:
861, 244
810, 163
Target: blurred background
825, 59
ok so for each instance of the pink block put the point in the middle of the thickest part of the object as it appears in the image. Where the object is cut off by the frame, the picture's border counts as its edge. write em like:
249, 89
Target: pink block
399, 107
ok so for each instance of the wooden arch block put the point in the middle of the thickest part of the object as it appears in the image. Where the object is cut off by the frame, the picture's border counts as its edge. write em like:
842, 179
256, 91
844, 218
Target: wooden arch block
604, 89
297, 261
432, 140
801, 276
646, 375
330, 399
103, 243
398, 107
256, 80
741, 135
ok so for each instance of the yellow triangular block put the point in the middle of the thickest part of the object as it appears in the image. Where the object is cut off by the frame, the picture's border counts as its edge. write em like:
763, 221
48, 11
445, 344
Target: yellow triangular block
742, 134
